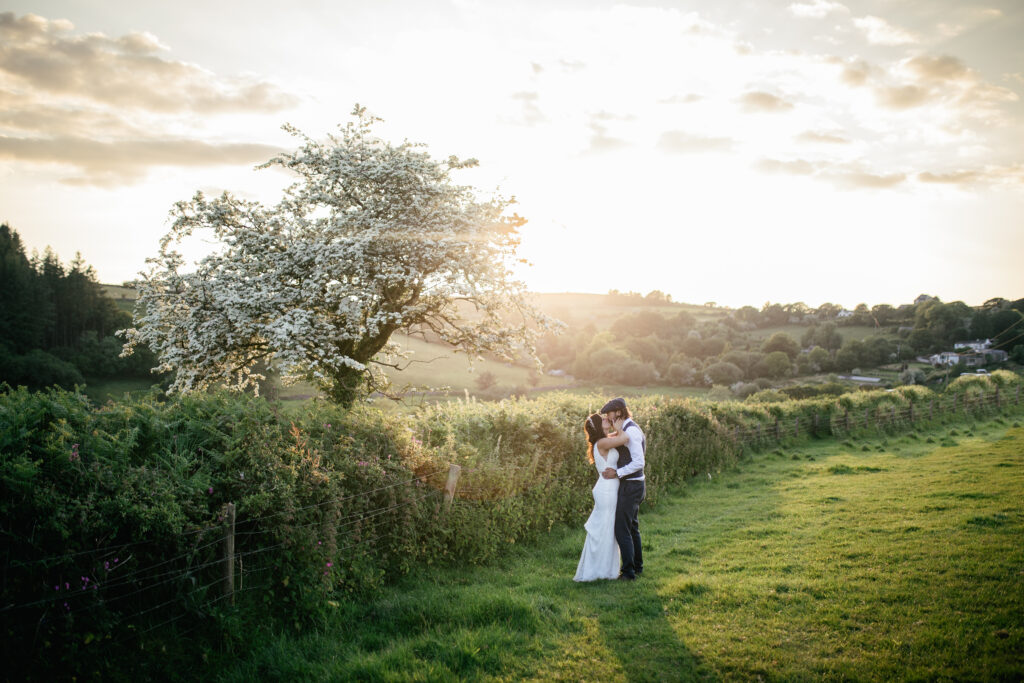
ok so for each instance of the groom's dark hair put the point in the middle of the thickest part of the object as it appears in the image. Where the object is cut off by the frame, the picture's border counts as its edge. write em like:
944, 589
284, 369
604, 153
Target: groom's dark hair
616, 405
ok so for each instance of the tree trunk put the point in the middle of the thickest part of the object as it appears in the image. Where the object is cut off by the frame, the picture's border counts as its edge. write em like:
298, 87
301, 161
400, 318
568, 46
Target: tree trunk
345, 386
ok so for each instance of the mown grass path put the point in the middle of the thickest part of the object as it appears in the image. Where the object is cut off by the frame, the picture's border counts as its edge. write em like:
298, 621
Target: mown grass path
898, 559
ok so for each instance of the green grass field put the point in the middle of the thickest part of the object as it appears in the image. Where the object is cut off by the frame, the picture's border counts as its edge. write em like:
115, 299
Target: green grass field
861, 560
433, 366
580, 310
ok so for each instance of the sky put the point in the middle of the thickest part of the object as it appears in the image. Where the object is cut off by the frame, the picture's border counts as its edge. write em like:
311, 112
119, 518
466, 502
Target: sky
739, 152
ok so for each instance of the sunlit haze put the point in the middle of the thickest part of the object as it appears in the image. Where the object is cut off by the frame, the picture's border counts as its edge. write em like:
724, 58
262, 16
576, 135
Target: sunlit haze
736, 152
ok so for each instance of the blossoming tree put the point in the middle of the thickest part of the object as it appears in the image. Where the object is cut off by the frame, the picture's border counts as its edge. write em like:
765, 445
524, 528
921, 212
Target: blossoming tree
371, 239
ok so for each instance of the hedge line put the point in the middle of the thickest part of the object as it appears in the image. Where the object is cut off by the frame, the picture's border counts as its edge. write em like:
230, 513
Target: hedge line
113, 516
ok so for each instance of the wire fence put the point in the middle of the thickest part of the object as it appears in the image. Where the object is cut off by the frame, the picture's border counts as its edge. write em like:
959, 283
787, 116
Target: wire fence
110, 583
191, 585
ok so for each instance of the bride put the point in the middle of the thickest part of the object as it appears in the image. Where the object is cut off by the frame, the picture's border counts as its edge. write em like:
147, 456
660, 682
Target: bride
600, 558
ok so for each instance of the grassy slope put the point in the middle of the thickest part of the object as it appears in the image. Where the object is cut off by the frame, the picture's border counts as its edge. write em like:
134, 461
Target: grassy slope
857, 560
579, 310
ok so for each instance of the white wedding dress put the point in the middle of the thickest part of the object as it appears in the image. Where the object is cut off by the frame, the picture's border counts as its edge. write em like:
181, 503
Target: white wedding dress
600, 558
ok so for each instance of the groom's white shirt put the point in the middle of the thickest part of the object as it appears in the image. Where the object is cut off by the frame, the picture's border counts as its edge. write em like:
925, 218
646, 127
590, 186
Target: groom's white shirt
636, 453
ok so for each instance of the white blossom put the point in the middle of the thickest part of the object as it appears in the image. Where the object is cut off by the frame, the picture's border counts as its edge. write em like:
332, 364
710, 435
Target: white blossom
371, 239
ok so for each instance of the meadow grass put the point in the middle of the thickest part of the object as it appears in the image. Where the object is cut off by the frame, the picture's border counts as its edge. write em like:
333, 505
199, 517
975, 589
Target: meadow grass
895, 558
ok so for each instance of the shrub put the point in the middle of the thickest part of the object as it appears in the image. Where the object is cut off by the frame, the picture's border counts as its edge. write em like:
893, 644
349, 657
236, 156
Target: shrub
723, 373
38, 369
132, 496
767, 396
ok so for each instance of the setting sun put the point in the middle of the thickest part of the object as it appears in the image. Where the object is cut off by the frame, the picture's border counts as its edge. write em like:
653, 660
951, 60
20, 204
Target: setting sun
728, 153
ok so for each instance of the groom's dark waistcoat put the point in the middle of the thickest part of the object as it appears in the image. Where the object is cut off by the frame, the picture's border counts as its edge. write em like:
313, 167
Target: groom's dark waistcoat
625, 457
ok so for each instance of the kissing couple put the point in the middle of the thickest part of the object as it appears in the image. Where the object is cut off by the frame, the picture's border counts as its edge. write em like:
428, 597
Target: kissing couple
616, 446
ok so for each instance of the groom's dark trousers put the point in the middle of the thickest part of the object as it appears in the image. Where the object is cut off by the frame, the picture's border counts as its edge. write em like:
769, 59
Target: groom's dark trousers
627, 526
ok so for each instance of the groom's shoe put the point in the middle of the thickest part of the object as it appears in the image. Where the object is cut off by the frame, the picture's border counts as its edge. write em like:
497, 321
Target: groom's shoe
626, 577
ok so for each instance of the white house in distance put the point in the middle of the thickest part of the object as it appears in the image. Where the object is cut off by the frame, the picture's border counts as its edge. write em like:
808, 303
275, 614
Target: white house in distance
946, 358
976, 345
971, 358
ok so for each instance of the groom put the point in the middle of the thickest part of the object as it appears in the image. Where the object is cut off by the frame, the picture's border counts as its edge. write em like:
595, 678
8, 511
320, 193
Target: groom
632, 491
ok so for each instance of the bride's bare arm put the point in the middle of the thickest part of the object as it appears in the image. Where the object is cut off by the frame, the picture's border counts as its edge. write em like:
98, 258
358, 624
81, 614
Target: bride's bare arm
607, 442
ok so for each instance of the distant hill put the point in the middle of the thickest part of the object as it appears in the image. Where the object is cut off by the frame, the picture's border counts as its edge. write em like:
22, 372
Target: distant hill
124, 297
601, 310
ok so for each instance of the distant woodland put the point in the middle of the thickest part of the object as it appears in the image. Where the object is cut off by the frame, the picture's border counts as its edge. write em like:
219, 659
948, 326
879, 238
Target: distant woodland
56, 324
57, 328
749, 350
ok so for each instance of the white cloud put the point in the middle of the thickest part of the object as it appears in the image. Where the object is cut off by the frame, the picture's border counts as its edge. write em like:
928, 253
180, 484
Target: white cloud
681, 142
763, 102
108, 164
110, 108
816, 9
129, 71
878, 31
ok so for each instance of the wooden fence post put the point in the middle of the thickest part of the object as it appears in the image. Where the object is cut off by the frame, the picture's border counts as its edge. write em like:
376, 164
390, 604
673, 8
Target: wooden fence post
796, 427
759, 432
892, 419
449, 487
867, 423
229, 551
778, 434
997, 398
931, 409
1016, 400
815, 423
911, 413
847, 418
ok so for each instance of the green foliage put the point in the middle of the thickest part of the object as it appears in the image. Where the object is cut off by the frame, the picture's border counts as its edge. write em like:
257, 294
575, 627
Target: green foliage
780, 341
132, 496
57, 324
723, 373
38, 369
776, 364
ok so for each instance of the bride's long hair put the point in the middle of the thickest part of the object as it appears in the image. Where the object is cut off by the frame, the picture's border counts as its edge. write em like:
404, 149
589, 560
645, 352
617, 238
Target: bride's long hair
595, 432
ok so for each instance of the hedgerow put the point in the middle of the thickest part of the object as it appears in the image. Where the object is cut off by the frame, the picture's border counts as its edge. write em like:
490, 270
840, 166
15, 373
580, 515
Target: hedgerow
114, 516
